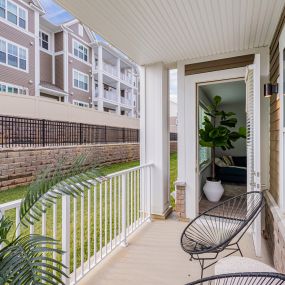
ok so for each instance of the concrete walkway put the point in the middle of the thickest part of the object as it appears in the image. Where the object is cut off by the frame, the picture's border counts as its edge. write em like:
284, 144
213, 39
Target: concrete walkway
154, 256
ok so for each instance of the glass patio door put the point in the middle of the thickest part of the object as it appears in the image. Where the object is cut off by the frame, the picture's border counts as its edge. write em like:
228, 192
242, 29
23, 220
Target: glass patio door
252, 80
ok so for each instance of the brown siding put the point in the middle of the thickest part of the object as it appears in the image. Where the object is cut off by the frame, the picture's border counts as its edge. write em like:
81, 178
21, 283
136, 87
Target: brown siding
58, 41
59, 75
221, 64
12, 75
78, 94
275, 112
46, 67
85, 37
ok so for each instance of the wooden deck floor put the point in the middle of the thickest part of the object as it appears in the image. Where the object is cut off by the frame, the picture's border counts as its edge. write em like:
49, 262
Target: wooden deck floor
154, 256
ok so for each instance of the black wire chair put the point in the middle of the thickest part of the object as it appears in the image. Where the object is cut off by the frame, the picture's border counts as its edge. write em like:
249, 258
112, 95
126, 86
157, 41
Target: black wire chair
245, 278
221, 228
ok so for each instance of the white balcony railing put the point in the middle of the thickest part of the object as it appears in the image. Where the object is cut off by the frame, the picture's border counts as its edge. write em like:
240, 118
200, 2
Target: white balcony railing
126, 101
110, 95
126, 78
111, 69
95, 223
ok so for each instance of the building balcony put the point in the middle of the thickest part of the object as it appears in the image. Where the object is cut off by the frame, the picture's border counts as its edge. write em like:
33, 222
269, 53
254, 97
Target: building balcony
126, 78
110, 69
111, 95
126, 101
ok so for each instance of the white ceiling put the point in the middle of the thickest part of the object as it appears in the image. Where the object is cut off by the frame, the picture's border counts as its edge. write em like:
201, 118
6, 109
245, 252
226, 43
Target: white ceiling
231, 92
149, 31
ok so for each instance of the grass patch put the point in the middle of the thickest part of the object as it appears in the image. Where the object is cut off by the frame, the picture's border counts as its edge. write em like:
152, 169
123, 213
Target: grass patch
107, 231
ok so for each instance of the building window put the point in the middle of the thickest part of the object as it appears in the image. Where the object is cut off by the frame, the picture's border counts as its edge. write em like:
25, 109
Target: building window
80, 51
204, 152
9, 88
22, 59
80, 80
2, 9
22, 18
13, 55
13, 13
44, 39
81, 104
2, 51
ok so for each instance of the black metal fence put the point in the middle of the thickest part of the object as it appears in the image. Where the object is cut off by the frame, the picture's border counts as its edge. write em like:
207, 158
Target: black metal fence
26, 132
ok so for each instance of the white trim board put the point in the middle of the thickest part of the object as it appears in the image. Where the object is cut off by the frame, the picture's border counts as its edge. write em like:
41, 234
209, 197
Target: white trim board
187, 114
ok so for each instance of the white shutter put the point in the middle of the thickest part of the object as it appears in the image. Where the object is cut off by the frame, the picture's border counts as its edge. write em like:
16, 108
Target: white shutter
250, 128
253, 140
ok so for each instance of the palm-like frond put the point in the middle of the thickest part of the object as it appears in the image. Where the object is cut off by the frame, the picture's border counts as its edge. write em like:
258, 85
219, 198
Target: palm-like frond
52, 184
25, 261
5, 226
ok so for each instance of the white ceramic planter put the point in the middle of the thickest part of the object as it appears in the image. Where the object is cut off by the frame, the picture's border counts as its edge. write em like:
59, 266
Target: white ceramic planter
213, 190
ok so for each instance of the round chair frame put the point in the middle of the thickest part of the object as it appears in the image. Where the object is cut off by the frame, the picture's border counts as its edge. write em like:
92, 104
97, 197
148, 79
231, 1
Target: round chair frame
244, 278
231, 242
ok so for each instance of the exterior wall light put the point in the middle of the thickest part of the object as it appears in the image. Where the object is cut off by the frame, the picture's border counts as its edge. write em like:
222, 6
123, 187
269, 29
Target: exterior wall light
270, 89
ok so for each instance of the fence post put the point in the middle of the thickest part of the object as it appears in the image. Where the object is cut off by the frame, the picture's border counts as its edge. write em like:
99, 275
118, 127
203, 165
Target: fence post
124, 242
44, 133
66, 236
80, 134
124, 135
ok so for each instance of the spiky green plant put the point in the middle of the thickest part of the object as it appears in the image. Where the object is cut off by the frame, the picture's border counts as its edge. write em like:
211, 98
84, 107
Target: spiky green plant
217, 130
26, 259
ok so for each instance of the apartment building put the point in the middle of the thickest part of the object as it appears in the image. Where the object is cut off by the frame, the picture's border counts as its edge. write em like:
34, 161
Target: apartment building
63, 62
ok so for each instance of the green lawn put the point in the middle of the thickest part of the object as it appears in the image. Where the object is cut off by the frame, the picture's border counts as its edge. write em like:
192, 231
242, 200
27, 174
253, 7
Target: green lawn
19, 192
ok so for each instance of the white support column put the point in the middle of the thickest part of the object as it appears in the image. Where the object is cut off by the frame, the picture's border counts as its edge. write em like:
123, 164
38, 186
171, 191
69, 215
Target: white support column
92, 77
119, 86
154, 133
118, 98
37, 54
65, 63
53, 58
132, 100
181, 148
100, 79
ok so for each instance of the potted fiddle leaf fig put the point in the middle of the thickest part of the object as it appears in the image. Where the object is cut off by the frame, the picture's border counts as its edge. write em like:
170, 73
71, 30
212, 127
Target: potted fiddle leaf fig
218, 132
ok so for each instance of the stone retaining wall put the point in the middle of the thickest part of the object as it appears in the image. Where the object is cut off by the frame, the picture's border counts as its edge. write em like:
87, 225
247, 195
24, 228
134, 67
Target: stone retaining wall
275, 232
20, 166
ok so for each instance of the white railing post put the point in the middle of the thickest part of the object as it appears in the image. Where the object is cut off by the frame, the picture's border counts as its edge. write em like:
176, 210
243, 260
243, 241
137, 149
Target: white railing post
66, 236
124, 210
149, 169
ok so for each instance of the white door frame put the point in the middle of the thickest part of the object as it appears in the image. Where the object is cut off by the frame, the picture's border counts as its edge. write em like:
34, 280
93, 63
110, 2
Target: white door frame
187, 168
282, 127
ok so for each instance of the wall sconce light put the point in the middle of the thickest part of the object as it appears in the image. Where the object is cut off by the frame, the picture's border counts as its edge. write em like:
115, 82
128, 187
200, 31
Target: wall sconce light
270, 89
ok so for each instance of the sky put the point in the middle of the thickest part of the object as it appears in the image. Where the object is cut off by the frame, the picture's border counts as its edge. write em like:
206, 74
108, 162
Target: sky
54, 13
57, 15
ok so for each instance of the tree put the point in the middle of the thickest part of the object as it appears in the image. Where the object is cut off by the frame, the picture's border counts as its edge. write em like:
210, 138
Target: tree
217, 131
